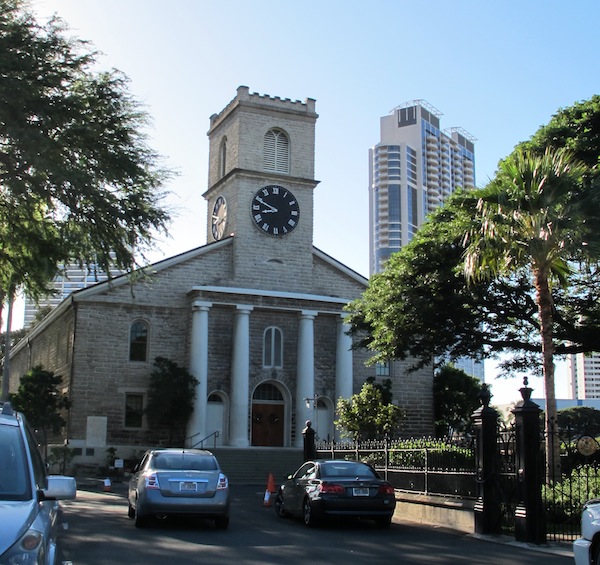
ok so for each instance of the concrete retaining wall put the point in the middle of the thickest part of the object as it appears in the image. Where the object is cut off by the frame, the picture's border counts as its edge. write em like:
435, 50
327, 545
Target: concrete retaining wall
442, 511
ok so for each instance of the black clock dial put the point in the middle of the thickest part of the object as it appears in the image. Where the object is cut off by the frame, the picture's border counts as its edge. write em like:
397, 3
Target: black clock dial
275, 210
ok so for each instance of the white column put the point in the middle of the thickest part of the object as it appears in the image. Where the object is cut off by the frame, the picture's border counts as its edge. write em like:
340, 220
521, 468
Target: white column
305, 372
343, 361
240, 371
199, 368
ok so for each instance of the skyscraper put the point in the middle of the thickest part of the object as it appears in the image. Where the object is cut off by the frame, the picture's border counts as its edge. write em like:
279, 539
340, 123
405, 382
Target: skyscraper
415, 166
412, 170
584, 375
71, 277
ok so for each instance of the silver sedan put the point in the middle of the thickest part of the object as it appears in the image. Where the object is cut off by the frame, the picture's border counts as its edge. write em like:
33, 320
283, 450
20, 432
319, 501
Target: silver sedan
179, 482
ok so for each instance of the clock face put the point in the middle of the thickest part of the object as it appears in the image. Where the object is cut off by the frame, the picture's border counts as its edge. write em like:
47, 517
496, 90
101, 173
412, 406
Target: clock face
219, 218
275, 210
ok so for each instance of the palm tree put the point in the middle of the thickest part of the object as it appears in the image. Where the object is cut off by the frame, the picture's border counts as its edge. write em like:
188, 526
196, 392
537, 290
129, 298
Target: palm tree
531, 217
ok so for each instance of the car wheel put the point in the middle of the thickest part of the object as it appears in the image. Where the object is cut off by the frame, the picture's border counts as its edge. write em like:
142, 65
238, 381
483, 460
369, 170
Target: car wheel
596, 560
279, 506
222, 522
383, 522
308, 513
130, 510
140, 521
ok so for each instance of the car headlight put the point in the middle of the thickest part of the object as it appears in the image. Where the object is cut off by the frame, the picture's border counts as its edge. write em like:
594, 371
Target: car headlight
29, 550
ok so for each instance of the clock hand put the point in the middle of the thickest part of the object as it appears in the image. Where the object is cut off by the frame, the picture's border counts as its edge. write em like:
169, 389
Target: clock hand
272, 208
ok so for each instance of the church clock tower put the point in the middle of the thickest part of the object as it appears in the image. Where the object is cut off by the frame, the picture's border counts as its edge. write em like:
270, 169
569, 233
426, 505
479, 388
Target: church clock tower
260, 188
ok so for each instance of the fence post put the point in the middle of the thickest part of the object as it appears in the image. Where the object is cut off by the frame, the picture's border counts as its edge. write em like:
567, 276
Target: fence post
530, 525
487, 508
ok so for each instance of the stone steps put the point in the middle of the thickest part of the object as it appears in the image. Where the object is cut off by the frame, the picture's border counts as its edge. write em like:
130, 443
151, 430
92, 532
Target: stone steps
252, 466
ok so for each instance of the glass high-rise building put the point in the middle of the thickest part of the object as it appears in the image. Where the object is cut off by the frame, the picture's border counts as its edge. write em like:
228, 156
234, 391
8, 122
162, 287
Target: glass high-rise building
71, 277
584, 375
415, 166
412, 170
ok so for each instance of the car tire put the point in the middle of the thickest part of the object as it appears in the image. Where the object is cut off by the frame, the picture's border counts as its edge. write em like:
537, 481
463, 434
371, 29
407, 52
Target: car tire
222, 522
140, 521
130, 510
308, 513
280, 506
384, 522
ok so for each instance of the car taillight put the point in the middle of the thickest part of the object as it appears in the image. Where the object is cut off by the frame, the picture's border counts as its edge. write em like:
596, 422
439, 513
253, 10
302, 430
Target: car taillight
152, 481
328, 488
386, 489
222, 483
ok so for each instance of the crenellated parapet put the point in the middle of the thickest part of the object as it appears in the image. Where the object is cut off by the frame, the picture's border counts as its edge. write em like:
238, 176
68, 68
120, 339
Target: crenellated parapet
244, 96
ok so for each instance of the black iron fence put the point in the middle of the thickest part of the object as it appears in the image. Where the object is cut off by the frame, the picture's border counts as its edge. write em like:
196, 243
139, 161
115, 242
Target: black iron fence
424, 466
448, 468
569, 485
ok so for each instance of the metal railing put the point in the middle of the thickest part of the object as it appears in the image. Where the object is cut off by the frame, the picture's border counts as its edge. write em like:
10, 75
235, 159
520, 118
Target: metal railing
425, 466
200, 444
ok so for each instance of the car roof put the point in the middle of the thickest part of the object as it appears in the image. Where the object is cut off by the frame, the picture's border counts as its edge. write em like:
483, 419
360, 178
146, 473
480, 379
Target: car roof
179, 450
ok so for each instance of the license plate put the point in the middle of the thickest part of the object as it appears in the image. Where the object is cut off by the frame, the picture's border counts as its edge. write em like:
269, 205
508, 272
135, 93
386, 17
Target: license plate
187, 486
360, 491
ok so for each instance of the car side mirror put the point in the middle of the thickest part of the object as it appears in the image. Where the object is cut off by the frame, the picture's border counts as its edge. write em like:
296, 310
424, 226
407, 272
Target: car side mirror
59, 488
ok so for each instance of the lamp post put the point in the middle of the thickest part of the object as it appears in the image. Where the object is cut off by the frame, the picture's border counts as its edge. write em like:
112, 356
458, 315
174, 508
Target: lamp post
315, 406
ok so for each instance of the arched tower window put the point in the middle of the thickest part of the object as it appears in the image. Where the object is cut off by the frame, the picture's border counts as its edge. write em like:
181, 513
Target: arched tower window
273, 348
276, 152
138, 341
223, 157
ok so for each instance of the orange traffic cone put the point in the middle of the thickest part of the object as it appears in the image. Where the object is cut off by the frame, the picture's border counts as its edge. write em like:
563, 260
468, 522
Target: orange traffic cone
271, 489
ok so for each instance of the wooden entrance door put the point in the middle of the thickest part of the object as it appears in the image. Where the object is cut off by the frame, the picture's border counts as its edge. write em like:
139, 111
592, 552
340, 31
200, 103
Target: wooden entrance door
267, 424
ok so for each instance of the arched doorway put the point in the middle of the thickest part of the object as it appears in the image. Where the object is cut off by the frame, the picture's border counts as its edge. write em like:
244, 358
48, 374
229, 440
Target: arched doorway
268, 416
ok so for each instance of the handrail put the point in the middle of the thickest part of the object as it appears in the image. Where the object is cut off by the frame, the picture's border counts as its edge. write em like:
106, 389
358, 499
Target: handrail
200, 443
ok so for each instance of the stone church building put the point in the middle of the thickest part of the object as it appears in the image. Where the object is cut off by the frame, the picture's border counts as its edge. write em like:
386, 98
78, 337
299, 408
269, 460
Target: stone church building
256, 314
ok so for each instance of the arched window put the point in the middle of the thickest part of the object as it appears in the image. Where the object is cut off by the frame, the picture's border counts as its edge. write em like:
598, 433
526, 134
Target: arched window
223, 157
276, 152
138, 341
273, 348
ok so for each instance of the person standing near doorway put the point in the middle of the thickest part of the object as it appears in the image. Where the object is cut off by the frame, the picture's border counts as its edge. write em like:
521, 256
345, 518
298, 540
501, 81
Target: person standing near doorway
310, 452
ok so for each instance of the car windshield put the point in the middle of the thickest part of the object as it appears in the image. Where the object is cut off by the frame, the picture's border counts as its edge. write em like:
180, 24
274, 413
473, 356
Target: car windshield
184, 462
14, 479
346, 469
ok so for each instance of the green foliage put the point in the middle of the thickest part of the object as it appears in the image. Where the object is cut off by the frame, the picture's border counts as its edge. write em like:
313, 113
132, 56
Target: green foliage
78, 178
366, 416
455, 398
384, 388
41, 400
577, 421
171, 396
61, 457
565, 499
541, 209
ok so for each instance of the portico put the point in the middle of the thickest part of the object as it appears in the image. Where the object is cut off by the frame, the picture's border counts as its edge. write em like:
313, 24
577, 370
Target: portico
242, 305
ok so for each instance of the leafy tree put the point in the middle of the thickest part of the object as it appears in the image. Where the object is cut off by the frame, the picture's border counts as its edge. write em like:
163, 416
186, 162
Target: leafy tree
40, 399
455, 398
422, 308
170, 398
366, 416
533, 216
510, 268
385, 388
77, 178
578, 420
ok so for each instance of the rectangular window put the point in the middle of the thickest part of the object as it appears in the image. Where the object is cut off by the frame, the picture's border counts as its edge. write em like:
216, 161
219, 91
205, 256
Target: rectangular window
134, 410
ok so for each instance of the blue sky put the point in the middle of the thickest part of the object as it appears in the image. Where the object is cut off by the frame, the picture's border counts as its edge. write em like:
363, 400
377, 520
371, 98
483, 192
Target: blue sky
498, 69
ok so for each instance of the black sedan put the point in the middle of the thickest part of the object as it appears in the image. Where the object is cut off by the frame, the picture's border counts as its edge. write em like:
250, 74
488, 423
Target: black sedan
336, 488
